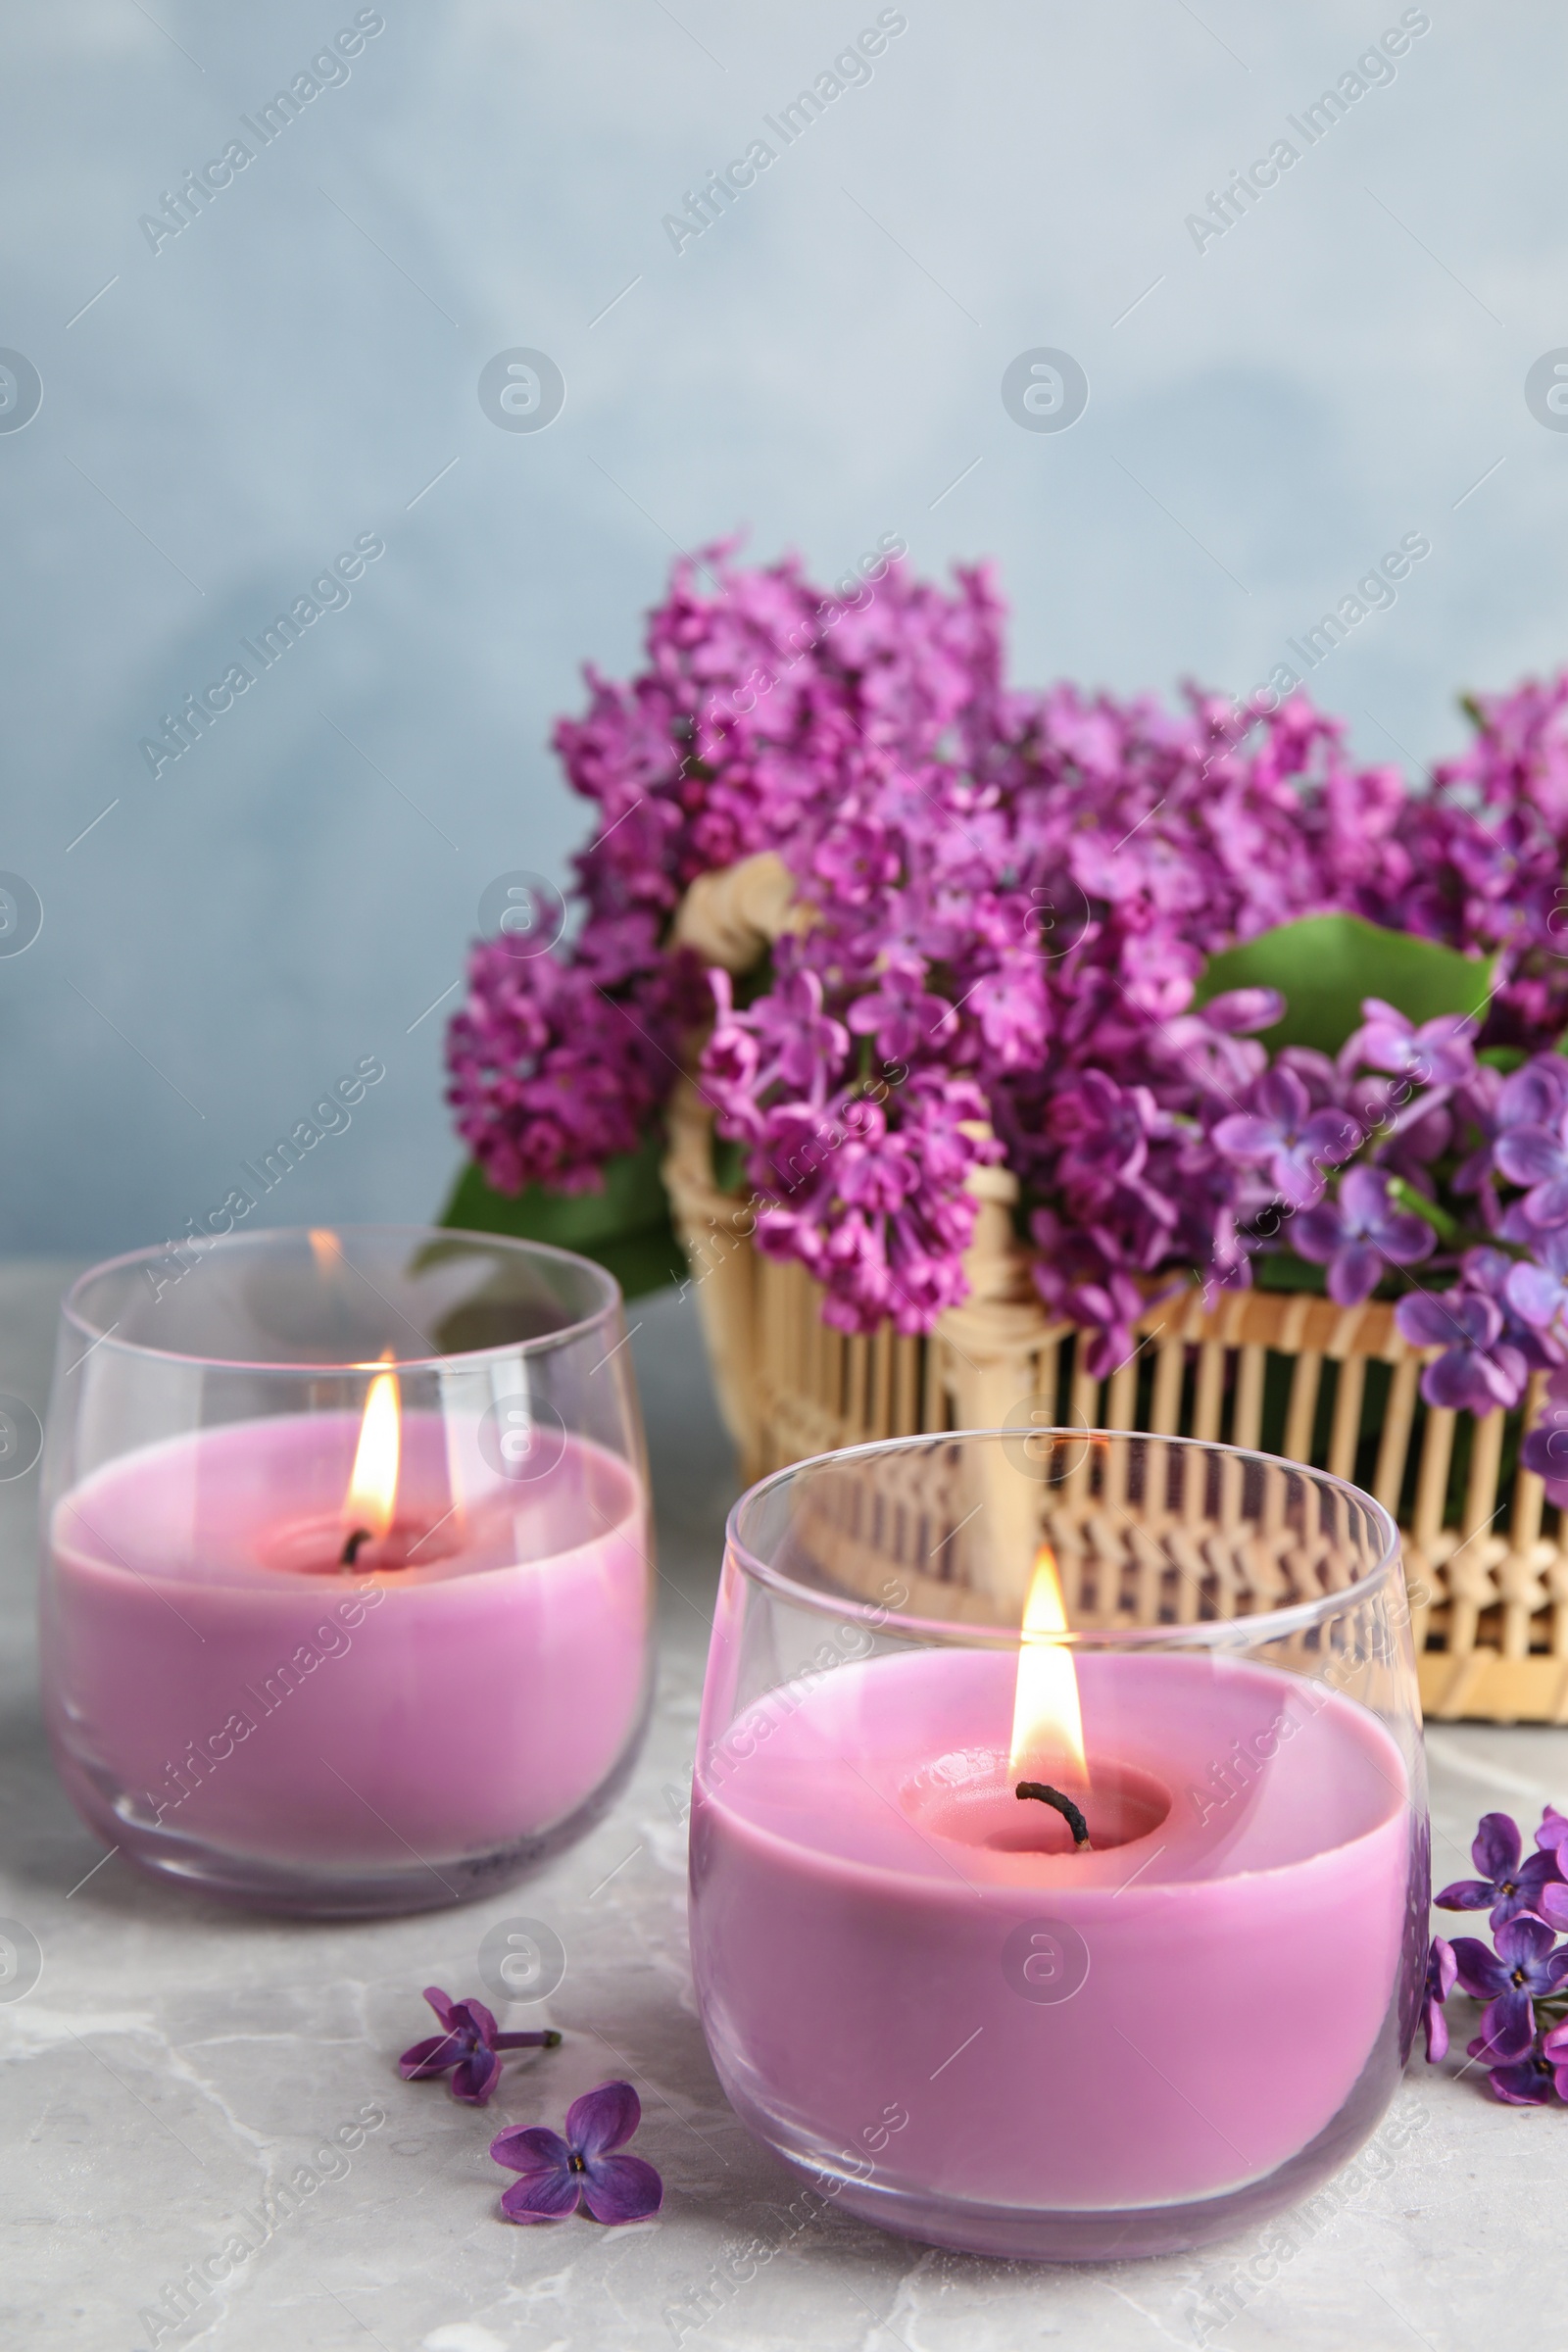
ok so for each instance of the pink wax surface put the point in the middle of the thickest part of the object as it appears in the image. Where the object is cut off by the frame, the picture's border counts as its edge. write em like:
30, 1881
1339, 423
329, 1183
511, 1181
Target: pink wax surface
472, 1697
1241, 1960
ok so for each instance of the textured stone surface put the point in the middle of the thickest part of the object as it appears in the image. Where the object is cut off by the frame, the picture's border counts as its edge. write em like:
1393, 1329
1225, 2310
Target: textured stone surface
175, 2061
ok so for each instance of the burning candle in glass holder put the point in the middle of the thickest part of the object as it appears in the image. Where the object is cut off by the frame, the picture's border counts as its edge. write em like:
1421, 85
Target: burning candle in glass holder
357, 1635
1069, 1805
371, 1503
986, 1880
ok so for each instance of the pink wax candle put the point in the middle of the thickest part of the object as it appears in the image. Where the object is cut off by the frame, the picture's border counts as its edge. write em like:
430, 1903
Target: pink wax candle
910, 1979
221, 1682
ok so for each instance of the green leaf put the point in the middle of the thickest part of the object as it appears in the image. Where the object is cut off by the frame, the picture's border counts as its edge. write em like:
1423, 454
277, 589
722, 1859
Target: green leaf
1325, 964
625, 1227
1283, 1271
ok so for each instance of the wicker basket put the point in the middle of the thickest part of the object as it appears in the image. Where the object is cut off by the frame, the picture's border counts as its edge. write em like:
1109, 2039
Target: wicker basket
1337, 1386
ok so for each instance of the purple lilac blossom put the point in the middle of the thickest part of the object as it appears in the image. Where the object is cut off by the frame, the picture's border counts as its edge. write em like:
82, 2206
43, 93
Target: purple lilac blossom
1539, 1292
1527, 2081
1550, 1837
1525, 2067
1506, 1886
1361, 1234
1551, 1904
1536, 1157
1477, 1370
560, 2173
1489, 1272
1554, 2051
1487, 848
1528, 1965
1545, 1447
1009, 898
1441, 1053
466, 2048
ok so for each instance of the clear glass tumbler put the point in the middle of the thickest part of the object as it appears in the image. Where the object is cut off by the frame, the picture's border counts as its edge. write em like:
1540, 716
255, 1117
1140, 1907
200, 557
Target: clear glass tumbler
1059, 1858
347, 1562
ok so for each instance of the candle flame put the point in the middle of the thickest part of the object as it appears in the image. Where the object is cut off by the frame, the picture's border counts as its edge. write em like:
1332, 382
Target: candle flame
372, 1495
1047, 1720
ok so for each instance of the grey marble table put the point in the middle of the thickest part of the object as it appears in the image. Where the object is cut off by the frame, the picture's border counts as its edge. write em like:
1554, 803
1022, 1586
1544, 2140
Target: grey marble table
176, 2063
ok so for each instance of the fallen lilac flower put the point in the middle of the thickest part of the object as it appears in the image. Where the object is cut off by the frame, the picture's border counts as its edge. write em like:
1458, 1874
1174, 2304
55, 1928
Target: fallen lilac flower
466, 2048
561, 2174
1507, 1885
1523, 2041
1527, 2081
1524, 1969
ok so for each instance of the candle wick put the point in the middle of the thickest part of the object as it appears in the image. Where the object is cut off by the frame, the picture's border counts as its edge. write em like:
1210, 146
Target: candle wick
1063, 1805
351, 1550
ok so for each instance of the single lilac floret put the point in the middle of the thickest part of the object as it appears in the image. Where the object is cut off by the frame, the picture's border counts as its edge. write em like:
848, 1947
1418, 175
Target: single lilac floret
1551, 1904
561, 2174
1360, 1235
1240, 1010
1536, 1157
1536, 1095
1527, 1965
1538, 1294
1553, 1829
1296, 1142
1507, 1885
1546, 1453
1441, 1053
466, 2048
1477, 1370
1527, 2081
1488, 1271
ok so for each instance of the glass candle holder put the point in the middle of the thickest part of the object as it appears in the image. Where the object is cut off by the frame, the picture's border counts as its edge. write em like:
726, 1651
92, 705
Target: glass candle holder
348, 1562
1059, 1857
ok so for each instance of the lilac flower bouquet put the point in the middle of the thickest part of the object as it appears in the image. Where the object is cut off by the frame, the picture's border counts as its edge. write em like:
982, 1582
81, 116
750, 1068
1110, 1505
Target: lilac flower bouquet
1230, 1008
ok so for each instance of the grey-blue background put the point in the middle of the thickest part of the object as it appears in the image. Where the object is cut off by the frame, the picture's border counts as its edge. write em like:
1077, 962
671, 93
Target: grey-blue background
1341, 367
